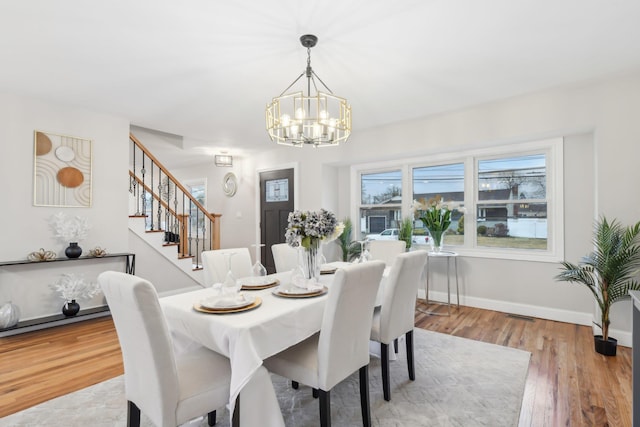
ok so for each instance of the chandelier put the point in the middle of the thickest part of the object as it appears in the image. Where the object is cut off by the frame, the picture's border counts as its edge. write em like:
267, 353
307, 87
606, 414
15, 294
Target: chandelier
296, 118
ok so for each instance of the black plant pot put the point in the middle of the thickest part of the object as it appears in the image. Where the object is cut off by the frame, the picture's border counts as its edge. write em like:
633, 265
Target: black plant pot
73, 251
70, 309
607, 348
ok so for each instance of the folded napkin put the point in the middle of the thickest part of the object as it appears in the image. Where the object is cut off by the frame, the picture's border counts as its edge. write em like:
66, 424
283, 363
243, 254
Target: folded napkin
310, 285
227, 300
255, 280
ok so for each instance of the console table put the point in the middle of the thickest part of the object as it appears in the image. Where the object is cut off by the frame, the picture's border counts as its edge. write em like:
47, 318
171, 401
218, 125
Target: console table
60, 319
448, 255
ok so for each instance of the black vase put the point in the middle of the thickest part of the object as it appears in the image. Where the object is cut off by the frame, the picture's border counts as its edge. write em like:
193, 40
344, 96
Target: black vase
73, 251
606, 348
70, 309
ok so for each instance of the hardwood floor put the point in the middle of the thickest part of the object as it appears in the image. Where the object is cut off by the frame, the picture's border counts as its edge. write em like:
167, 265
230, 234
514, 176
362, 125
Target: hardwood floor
568, 383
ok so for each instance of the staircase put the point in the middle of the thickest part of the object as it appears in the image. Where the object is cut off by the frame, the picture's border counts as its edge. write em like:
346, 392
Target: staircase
166, 216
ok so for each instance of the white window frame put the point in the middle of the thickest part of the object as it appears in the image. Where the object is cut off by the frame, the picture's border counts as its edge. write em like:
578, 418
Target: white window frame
188, 184
553, 150
360, 205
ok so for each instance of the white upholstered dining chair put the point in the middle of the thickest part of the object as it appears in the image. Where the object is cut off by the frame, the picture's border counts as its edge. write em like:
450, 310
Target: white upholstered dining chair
342, 345
396, 315
285, 257
169, 388
215, 264
386, 250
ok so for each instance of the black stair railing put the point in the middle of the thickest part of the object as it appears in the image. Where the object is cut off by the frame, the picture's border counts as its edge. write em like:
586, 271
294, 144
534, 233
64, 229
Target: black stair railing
169, 207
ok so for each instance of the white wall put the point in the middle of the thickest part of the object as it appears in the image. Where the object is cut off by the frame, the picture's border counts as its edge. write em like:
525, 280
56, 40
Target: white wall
25, 227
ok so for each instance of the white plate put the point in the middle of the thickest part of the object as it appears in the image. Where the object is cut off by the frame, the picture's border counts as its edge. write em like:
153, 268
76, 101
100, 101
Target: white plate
302, 293
227, 302
295, 290
256, 281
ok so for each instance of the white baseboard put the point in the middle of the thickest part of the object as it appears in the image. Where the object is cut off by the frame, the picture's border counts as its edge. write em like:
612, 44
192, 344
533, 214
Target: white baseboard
567, 316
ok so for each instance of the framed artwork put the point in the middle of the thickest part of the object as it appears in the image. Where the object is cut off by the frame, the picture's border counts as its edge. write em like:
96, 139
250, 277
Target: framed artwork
62, 170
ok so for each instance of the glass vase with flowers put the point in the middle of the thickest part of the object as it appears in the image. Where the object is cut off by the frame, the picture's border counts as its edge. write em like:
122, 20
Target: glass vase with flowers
435, 214
306, 230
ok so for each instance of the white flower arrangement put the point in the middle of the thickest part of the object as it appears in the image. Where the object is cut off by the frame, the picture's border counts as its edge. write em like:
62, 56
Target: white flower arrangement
308, 228
73, 287
69, 229
336, 233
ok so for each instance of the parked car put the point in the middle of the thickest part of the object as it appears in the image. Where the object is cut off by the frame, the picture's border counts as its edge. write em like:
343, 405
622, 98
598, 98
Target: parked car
392, 234
388, 234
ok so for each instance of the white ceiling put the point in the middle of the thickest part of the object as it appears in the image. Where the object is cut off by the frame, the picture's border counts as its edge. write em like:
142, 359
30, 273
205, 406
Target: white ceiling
205, 69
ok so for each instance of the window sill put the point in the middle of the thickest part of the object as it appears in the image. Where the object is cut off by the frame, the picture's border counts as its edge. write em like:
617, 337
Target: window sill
506, 254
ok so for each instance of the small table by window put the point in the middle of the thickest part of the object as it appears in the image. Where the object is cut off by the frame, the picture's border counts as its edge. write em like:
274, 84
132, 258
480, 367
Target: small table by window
448, 255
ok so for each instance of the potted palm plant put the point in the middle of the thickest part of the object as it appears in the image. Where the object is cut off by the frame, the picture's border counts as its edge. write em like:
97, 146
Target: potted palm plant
406, 231
350, 249
609, 272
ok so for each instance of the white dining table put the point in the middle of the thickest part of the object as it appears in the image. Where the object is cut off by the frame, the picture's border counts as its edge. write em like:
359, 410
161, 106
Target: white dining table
247, 338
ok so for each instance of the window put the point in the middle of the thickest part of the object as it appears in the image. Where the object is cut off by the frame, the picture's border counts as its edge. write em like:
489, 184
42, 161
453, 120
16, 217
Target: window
446, 181
510, 198
511, 202
198, 189
380, 201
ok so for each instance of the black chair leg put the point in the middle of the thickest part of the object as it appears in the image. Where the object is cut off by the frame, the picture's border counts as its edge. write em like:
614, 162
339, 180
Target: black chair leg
314, 393
294, 384
325, 408
364, 396
235, 421
384, 364
395, 345
211, 418
133, 414
412, 371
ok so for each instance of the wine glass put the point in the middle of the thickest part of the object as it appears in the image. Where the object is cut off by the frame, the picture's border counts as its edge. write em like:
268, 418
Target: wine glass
230, 284
364, 252
297, 273
258, 269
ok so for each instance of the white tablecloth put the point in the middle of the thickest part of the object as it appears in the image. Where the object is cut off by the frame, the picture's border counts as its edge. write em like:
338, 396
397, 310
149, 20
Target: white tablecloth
247, 338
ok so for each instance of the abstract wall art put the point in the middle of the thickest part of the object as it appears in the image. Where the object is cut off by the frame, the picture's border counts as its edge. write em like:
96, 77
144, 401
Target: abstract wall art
62, 170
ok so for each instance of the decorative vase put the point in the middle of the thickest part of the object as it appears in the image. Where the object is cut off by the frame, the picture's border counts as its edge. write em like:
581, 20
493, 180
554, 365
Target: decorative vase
437, 240
9, 315
606, 348
70, 309
310, 262
73, 251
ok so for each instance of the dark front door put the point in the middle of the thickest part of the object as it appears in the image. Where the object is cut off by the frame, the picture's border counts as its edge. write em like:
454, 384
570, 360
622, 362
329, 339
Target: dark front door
276, 201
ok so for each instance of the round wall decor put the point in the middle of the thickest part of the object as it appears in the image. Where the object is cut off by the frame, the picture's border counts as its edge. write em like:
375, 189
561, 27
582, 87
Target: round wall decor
229, 184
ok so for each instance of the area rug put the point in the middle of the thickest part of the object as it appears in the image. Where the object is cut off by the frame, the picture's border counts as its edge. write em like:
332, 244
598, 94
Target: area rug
459, 382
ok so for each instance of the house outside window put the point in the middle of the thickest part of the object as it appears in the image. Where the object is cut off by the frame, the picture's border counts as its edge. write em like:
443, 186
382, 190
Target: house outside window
445, 181
380, 201
511, 202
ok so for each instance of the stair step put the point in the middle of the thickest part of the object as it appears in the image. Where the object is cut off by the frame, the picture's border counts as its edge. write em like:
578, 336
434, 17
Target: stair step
184, 256
137, 225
